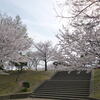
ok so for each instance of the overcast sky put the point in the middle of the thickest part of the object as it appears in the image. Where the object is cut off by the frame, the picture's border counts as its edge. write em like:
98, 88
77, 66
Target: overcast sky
38, 15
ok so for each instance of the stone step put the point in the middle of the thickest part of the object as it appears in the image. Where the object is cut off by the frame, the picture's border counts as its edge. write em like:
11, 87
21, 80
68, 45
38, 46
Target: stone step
72, 89
66, 89
81, 87
59, 97
65, 86
73, 75
62, 92
60, 83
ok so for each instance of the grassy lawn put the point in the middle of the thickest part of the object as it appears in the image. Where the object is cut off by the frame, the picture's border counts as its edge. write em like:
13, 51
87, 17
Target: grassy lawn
96, 93
9, 85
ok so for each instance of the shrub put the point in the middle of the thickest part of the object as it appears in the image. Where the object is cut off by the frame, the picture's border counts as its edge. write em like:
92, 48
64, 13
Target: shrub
26, 84
24, 90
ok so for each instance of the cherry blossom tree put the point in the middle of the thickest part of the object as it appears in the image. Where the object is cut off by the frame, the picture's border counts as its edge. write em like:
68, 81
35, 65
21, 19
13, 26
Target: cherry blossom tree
45, 52
13, 38
58, 58
34, 59
81, 43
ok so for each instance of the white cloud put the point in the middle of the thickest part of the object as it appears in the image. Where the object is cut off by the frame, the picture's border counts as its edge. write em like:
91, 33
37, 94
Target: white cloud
38, 15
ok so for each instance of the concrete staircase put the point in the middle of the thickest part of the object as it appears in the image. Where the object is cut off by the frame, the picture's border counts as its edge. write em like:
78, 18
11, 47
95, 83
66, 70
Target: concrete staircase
65, 86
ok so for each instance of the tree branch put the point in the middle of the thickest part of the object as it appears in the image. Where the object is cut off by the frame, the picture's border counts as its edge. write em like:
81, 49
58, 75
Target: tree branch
80, 11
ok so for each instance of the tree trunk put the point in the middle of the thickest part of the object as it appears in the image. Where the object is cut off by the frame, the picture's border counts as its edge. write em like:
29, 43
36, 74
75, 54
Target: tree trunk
21, 68
36, 67
19, 72
18, 75
45, 65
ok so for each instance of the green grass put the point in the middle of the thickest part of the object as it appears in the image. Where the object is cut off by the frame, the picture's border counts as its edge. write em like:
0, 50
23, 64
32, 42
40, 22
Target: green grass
96, 93
8, 84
